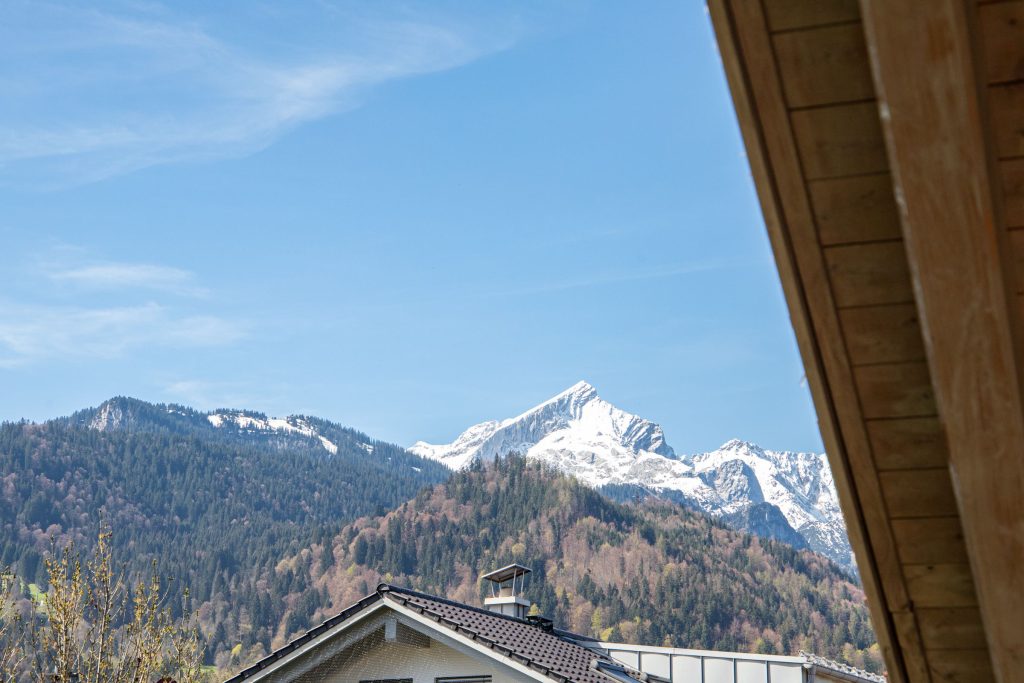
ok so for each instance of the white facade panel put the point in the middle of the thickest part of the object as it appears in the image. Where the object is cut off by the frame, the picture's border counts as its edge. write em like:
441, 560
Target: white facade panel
630, 658
656, 663
751, 671
718, 670
685, 669
786, 673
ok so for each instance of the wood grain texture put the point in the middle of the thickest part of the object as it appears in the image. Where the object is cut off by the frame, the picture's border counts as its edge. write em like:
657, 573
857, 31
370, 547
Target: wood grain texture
930, 540
824, 65
855, 209
909, 634
895, 390
869, 274
840, 141
951, 628
960, 666
908, 443
747, 54
795, 14
918, 493
926, 70
882, 334
1015, 241
1006, 107
940, 585
1001, 29
1011, 182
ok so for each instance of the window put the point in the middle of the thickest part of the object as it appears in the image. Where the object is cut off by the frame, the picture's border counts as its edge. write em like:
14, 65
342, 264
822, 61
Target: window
464, 679
388, 680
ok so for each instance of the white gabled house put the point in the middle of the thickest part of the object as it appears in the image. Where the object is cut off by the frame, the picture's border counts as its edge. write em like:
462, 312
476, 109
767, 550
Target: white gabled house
395, 635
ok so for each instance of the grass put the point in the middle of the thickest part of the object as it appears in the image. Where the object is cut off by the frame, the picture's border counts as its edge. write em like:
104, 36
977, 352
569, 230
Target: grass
38, 597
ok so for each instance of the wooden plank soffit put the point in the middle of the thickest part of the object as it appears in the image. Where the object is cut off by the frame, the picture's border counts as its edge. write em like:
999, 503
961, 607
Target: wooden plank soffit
746, 51
932, 112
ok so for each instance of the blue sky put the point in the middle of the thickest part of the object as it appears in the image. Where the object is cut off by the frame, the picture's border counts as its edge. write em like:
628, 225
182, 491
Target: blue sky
404, 217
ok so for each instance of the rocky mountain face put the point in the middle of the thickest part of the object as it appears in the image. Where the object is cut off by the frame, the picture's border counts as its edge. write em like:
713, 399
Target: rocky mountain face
782, 494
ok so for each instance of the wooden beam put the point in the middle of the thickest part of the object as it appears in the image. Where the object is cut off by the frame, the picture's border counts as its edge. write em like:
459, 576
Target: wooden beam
930, 540
860, 209
786, 15
771, 142
824, 66
927, 83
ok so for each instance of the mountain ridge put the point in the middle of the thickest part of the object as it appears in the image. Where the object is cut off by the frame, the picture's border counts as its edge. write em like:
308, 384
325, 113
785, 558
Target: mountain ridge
230, 424
583, 435
647, 572
241, 509
578, 433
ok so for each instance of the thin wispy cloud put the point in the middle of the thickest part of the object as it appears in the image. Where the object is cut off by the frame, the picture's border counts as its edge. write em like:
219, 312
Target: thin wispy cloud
114, 276
99, 93
30, 333
71, 306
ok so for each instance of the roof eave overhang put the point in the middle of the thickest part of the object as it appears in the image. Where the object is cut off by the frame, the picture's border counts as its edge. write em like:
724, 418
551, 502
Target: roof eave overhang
464, 641
330, 634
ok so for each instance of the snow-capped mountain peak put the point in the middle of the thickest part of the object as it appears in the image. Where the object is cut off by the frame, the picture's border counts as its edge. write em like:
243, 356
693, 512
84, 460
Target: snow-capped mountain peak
583, 435
574, 397
588, 436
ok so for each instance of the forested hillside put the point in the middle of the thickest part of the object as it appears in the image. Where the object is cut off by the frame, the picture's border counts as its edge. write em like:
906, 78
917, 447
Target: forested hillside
649, 573
210, 508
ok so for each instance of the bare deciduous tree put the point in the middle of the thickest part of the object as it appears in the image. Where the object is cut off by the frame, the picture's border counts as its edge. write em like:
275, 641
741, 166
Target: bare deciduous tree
95, 628
11, 651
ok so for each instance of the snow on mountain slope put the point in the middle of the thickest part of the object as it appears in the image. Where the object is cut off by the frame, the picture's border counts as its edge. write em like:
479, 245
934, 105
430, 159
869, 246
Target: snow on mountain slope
594, 436
799, 484
251, 423
591, 439
120, 413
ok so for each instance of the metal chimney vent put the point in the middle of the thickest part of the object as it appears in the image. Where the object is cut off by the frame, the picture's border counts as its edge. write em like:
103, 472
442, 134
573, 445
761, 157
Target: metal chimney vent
507, 591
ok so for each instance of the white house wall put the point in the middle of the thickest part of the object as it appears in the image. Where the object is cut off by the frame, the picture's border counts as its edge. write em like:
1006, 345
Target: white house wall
422, 664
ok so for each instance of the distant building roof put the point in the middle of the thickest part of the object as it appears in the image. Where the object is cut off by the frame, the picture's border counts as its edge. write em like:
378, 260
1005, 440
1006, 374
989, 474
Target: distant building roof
838, 668
552, 653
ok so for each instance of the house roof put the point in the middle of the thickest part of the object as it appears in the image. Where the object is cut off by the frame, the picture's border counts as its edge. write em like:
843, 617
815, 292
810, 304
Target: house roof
550, 652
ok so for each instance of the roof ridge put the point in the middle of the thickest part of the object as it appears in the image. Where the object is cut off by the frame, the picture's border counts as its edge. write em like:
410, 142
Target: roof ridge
407, 598
388, 588
576, 638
